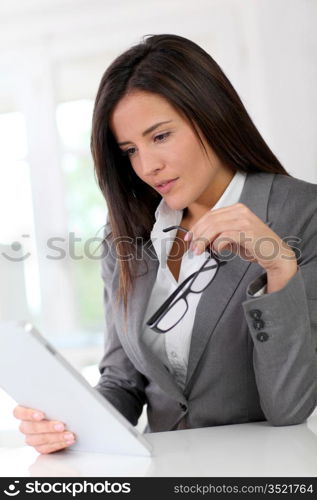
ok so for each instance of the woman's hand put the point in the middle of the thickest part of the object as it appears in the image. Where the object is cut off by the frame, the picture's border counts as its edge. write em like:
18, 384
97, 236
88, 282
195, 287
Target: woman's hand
46, 436
238, 228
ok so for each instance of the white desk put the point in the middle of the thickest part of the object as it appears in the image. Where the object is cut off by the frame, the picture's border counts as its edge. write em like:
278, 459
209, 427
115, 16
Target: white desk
248, 450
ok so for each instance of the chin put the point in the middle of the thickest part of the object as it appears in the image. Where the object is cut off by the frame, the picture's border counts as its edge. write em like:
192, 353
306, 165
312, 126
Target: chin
176, 204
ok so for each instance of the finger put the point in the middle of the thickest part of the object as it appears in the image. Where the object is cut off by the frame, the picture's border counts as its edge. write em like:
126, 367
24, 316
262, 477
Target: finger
236, 207
230, 241
231, 212
206, 234
209, 232
225, 243
44, 426
51, 447
212, 226
23, 413
41, 439
200, 244
188, 236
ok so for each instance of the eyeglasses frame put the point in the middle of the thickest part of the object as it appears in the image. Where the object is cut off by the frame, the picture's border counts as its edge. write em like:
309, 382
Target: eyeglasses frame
169, 302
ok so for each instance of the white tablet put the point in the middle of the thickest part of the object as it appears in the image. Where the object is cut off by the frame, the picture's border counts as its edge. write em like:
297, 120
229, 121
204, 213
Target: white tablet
35, 375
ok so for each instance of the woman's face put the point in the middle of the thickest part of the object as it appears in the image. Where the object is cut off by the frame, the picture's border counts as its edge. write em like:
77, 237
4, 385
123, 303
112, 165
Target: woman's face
164, 150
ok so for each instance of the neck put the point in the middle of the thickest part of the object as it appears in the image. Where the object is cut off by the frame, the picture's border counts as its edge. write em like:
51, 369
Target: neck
209, 197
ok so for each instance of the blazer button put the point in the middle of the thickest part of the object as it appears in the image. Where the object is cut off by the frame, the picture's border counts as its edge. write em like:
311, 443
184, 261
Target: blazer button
258, 324
262, 336
255, 313
183, 407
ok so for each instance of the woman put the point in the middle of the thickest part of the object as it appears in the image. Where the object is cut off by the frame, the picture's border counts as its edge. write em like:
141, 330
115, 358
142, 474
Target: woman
173, 146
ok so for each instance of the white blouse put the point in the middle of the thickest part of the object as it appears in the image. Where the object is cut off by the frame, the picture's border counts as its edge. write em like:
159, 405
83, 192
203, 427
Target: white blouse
172, 348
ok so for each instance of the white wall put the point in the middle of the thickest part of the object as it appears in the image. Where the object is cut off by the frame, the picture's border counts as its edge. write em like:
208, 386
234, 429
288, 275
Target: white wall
267, 47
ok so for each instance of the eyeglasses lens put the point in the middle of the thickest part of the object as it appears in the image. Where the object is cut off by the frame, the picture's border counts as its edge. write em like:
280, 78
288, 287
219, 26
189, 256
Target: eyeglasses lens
202, 280
173, 316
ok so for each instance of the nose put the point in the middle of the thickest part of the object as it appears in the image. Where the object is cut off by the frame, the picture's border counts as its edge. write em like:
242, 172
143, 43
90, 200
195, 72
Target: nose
149, 163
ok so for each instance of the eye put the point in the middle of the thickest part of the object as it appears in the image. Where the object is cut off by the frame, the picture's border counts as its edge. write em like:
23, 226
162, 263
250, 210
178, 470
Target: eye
158, 138
128, 152
162, 137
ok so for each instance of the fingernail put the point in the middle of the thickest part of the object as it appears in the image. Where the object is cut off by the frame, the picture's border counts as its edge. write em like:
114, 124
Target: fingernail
186, 237
196, 251
69, 436
69, 443
59, 427
38, 416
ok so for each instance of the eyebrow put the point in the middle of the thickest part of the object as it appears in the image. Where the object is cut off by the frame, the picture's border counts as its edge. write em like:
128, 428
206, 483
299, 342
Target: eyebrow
147, 131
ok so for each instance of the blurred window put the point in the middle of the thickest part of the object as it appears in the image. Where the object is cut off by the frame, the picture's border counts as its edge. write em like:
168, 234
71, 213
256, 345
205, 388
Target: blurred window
86, 210
16, 214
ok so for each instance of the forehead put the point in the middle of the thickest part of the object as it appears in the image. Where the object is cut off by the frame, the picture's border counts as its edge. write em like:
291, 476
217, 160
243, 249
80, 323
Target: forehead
138, 110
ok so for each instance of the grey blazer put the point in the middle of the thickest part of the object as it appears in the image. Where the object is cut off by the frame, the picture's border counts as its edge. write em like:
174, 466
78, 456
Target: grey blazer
239, 369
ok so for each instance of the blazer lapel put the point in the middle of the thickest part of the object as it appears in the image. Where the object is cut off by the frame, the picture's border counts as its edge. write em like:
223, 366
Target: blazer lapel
255, 195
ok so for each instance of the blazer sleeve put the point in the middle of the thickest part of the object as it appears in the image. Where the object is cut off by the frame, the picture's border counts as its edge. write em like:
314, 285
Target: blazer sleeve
283, 326
120, 383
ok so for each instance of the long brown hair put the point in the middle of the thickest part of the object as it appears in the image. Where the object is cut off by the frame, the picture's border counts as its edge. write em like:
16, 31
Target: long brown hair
193, 83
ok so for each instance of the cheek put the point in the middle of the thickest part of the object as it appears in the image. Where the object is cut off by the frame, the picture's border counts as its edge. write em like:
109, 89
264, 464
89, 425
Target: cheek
191, 154
183, 158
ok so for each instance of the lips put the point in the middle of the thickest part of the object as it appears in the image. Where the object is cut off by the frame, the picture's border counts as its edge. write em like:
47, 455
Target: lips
165, 186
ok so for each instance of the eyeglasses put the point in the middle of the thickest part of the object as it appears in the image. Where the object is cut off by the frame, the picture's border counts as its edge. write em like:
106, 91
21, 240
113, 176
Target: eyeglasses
175, 306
